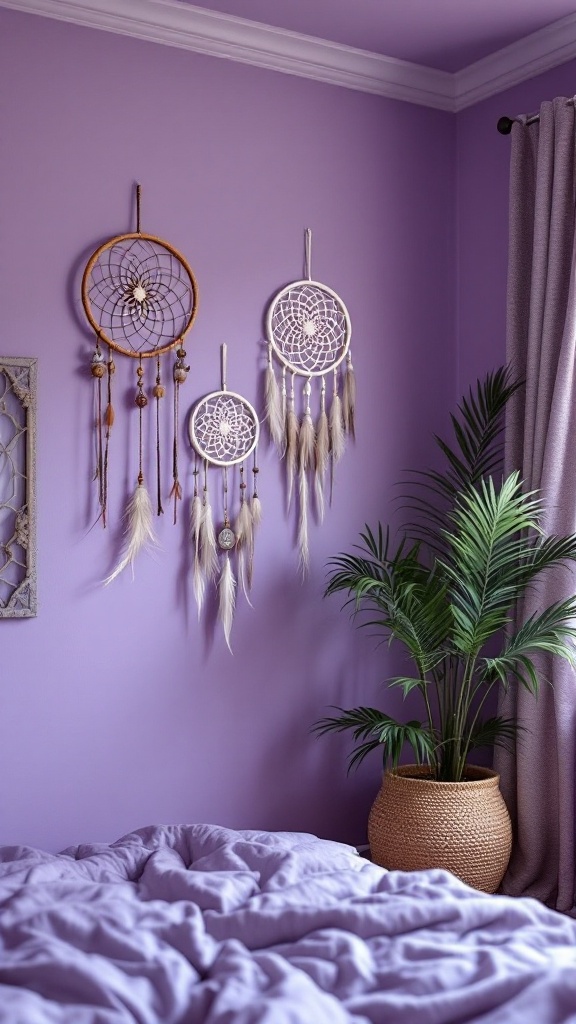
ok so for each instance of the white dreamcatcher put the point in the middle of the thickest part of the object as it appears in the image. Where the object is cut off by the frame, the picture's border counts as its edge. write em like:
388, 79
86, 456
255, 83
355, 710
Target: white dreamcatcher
224, 431
308, 329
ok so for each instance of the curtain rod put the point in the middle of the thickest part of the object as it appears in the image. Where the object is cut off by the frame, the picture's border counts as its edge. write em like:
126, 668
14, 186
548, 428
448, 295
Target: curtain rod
504, 124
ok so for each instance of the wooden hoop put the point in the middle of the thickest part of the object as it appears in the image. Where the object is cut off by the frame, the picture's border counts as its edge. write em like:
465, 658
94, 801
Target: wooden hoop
86, 302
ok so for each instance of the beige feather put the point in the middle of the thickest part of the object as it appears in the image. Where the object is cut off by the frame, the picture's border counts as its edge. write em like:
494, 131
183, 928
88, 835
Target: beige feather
337, 436
303, 545
321, 459
256, 509
139, 532
227, 599
306, 461
208, 549
256, 513
198, 580
349, 398
243, 529
292, 434
274, 416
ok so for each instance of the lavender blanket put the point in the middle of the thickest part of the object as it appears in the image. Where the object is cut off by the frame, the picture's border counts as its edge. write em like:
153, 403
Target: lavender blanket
197, 924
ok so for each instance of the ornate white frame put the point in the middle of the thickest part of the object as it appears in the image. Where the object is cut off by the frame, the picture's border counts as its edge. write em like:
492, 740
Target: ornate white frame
20, 375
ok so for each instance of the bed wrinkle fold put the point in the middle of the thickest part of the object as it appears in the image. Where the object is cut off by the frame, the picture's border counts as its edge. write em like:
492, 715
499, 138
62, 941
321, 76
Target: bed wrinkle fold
199, 924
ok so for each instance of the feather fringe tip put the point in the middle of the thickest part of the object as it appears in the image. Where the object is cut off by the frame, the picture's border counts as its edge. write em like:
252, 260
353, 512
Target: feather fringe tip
139, 532
198, 580
274, 409
227, 599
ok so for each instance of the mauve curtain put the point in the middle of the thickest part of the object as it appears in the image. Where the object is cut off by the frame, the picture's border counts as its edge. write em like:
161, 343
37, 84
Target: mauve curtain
538, 778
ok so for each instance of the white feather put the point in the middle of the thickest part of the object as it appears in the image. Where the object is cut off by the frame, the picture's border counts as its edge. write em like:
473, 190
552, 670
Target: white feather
292, 431
208, 549
321, 461
349, 399
303, 546
198, 580
139, 532
256, 509
244, 530
227, 599
306, 462
337, 436
274, 409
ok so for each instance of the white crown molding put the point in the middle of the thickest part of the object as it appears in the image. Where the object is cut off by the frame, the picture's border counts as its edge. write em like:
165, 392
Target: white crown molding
220, 35
551, 46
174, 23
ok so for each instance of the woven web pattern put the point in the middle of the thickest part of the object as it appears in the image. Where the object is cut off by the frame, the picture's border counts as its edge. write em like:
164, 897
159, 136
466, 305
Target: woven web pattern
309, 328
140, 294
14, 524
224, 428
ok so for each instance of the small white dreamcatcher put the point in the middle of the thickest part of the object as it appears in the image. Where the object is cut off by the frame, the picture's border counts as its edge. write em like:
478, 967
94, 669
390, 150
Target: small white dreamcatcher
224, 431
309, 330
140, 297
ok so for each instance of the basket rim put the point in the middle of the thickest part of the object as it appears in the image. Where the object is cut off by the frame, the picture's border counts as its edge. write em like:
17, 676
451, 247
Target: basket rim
416, 774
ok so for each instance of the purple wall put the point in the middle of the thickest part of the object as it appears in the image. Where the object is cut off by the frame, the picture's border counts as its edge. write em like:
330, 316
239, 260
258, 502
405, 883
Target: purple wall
116, 708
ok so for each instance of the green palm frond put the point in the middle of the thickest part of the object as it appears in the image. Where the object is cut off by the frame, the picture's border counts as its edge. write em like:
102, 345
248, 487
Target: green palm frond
553, 631
449, 590
493, 732
477, 454
493, 532
409, 599
379, 730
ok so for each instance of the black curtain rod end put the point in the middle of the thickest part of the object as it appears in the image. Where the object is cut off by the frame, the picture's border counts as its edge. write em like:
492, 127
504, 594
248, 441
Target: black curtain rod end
504, 125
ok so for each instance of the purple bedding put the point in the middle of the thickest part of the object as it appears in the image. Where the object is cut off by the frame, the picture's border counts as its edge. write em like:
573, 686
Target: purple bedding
198, 924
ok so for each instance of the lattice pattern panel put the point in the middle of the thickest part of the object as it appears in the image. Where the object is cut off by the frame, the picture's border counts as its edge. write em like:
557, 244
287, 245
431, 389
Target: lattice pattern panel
17, 487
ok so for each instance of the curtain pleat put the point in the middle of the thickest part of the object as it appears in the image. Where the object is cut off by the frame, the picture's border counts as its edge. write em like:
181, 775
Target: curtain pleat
538, 776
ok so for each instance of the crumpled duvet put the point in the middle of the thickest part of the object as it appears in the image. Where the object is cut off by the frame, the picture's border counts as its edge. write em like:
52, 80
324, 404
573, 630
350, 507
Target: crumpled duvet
198, 924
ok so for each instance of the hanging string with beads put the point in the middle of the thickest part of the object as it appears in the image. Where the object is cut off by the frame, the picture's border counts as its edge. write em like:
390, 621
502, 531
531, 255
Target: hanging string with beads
181, 372
139, 532
322, 453
198, 579
243, 529
292, 436
98, 369
227, 582
305, 463
158, 391
141, 402
337, 435
256, 510
109, 423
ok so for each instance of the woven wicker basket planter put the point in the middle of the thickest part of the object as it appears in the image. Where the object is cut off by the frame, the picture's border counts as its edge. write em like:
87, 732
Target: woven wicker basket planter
416, 822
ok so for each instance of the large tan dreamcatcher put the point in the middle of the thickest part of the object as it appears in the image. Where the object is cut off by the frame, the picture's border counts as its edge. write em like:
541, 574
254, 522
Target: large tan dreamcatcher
309, 330
140, 297
224, 431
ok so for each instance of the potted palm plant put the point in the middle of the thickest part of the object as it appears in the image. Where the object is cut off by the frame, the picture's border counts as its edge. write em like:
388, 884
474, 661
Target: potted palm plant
445, 590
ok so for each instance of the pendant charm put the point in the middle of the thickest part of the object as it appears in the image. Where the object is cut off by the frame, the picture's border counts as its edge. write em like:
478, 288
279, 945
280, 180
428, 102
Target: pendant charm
226, 539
